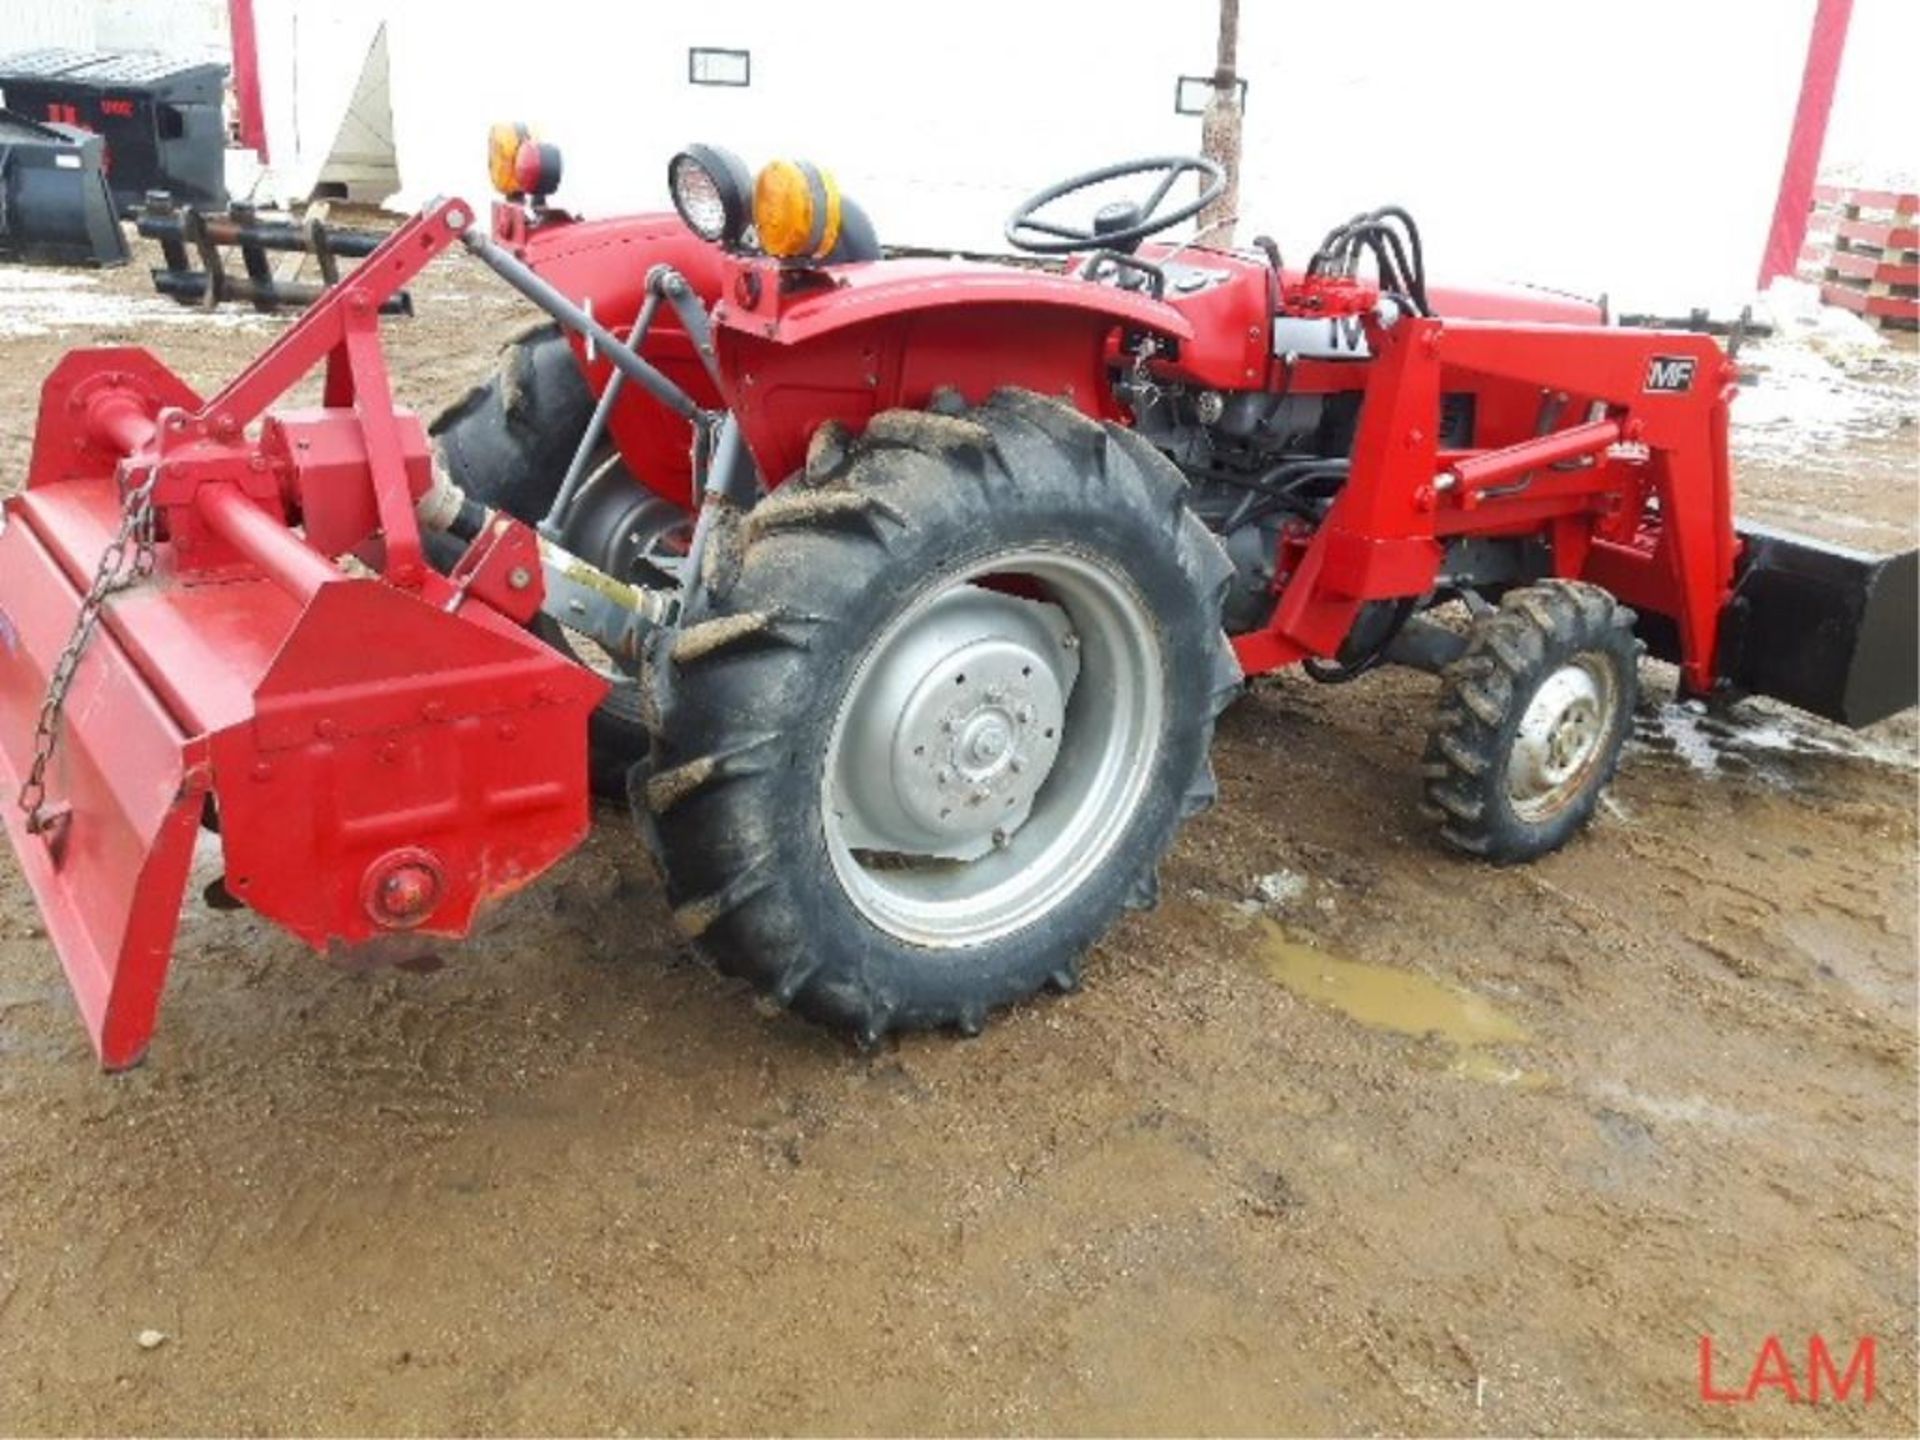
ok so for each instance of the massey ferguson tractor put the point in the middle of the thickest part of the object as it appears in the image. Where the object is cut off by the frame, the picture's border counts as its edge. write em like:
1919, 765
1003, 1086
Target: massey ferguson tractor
898, 596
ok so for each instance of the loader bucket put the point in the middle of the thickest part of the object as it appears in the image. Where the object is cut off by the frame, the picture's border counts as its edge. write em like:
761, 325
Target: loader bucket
1832, 631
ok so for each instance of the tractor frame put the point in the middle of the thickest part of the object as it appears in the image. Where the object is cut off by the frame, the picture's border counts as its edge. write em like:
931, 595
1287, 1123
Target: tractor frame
216, 614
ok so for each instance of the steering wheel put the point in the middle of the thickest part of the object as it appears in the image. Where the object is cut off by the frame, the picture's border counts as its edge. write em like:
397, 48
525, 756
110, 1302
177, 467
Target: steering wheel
1121, 225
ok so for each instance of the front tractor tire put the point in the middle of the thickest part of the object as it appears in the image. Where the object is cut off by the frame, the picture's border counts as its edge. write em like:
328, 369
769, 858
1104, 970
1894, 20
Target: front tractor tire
935, 712
1531, 721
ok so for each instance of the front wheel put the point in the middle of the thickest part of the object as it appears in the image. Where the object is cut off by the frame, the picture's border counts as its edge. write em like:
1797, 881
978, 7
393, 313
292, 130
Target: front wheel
1531, 721
935, 713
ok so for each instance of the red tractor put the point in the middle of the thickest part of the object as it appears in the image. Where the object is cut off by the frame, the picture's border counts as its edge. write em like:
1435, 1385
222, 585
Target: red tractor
900, 595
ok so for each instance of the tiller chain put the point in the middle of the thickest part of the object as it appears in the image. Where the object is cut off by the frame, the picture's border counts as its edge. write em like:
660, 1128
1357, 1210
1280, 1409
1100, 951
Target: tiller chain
116, 571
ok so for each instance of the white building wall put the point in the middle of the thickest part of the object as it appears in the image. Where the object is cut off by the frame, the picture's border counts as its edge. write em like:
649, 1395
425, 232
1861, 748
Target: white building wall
34, 24
312, 54
1631, 148
191, 29
188, 28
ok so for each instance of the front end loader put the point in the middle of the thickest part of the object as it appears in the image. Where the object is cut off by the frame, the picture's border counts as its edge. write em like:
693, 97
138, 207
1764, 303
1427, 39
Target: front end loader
898, 596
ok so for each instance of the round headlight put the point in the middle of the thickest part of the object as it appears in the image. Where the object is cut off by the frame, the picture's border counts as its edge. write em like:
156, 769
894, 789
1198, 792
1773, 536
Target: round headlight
711, 190
796, 209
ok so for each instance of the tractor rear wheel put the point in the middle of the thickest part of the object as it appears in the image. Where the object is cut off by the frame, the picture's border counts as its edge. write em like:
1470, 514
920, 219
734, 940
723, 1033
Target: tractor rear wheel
508, 444
1531, 721
935, 712
508, 441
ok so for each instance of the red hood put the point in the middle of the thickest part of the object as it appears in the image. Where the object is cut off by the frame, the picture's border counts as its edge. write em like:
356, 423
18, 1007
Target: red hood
1512, 302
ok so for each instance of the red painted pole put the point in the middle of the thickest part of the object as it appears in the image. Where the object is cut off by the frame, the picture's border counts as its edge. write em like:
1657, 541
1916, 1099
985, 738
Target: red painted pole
1797, 177
246, 76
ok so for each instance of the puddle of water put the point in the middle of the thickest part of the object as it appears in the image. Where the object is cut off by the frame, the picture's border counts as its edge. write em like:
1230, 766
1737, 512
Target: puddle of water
1404, 1002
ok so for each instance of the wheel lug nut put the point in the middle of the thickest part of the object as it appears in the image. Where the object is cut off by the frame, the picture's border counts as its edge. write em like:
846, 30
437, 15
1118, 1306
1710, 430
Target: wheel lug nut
995, 694
943, 776
1024, 714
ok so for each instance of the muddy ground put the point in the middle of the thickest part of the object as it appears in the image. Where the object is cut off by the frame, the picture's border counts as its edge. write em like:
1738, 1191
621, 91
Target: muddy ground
1489, 1154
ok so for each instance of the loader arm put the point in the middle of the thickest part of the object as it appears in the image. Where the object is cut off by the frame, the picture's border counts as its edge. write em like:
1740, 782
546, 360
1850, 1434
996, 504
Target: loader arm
1633, 492
1636, 498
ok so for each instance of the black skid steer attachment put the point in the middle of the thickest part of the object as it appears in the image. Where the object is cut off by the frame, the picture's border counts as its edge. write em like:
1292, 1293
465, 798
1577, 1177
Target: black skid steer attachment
55, 208
190, 237
1828, 630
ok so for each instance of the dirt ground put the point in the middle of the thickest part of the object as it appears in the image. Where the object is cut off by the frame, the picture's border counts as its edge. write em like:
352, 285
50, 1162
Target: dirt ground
1349, 1136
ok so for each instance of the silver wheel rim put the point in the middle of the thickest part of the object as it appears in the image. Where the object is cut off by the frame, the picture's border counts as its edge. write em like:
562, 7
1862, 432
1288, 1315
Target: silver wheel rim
1560, 739
993, 748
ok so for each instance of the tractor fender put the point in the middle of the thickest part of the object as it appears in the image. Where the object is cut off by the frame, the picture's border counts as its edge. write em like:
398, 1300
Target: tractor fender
603, 266
896, 335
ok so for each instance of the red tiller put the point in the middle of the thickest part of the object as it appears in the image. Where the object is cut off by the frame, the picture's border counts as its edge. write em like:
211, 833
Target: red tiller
384, 749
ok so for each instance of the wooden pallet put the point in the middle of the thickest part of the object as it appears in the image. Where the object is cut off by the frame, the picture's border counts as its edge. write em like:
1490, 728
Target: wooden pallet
1863, 251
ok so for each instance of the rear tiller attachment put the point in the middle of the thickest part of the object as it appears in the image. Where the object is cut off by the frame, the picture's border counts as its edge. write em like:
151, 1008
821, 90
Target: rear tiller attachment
199, 625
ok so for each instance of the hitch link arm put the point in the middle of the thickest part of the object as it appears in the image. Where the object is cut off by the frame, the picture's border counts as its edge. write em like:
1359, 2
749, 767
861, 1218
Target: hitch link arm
615, 614
664, 283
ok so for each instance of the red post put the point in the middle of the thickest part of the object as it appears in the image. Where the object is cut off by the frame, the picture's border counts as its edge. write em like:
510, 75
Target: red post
1789, 230
246, 76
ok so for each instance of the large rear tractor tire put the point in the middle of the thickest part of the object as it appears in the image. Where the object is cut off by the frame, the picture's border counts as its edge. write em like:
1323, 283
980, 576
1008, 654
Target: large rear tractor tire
508, 444
935, 712
1531, 721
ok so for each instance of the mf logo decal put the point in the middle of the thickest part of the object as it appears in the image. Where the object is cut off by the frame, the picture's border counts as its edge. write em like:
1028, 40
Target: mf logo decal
1347, 332
1670, 374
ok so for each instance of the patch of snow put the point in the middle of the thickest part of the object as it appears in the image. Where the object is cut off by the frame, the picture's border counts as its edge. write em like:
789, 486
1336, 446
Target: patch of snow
1277, 890
1795, 310
1680, 726
52, 302
1706, 742
1825, 377
1280, 888
1677, 1109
